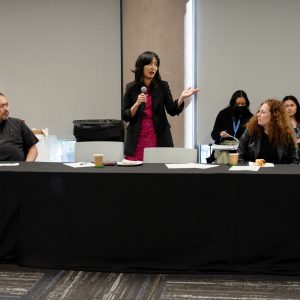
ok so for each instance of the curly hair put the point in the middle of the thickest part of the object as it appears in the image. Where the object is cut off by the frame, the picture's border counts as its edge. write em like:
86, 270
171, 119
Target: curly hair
280, 131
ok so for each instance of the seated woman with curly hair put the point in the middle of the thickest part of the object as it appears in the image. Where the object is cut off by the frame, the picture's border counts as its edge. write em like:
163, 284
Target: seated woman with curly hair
269, 136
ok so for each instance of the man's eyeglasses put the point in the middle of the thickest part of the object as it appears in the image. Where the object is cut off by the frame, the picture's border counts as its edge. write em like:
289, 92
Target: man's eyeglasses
3, 105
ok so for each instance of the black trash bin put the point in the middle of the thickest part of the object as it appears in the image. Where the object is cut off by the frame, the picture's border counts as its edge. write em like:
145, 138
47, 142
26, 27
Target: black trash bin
98, 130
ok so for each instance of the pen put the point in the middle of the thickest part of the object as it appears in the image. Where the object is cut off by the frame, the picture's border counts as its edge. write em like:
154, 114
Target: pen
222, 136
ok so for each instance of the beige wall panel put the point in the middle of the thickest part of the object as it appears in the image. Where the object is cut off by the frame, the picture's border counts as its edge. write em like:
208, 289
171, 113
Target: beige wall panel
157, 25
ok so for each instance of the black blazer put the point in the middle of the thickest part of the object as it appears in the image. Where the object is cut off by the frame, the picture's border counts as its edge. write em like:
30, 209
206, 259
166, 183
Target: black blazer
162, 101
249, 148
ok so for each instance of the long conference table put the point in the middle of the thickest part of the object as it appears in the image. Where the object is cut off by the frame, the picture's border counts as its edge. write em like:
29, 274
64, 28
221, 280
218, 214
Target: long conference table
150, 218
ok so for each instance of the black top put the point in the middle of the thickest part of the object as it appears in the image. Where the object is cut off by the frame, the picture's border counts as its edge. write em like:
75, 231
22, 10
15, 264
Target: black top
227, 119
16, 138
267, 150
252, 147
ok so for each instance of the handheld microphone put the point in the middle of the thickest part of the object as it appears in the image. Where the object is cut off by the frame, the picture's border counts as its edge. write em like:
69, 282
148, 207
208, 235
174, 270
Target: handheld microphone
143, 90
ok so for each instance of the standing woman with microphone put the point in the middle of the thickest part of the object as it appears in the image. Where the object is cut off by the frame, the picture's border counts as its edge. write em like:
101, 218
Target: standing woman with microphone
145, 103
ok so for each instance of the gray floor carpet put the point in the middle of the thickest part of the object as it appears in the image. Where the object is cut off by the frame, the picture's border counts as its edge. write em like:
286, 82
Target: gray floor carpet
26, 283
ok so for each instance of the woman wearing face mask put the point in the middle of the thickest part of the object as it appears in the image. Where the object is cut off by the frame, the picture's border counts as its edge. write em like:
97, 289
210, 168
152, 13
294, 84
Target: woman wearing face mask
269, 136
231, 120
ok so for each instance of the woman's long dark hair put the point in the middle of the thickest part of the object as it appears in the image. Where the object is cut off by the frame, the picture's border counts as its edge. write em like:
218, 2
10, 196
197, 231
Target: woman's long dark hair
238, 94
145, 59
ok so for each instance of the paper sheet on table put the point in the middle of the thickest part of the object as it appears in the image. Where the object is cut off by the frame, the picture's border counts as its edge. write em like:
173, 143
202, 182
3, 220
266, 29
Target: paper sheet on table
267, 165
9, 164
81, 164
244, 168
190, 166
224, 147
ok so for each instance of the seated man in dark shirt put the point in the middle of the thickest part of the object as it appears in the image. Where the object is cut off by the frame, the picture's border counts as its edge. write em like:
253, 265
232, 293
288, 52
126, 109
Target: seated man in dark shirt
17, 142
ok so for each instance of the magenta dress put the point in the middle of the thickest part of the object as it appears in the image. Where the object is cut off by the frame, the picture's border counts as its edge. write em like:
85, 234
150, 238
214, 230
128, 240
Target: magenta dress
147, 135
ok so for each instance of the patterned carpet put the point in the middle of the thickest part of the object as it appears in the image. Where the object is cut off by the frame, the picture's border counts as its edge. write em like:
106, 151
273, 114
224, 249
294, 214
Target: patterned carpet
25, 283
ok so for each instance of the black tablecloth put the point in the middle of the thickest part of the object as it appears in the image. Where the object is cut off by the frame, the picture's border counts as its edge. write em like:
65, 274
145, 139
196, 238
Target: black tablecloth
151, 219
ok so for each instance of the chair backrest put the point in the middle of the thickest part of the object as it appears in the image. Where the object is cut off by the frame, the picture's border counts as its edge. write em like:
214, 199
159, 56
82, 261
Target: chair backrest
43, 150
112, 150
169, 155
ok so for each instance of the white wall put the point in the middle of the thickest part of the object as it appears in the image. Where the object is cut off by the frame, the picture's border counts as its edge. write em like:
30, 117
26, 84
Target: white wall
61, 61
250, 45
